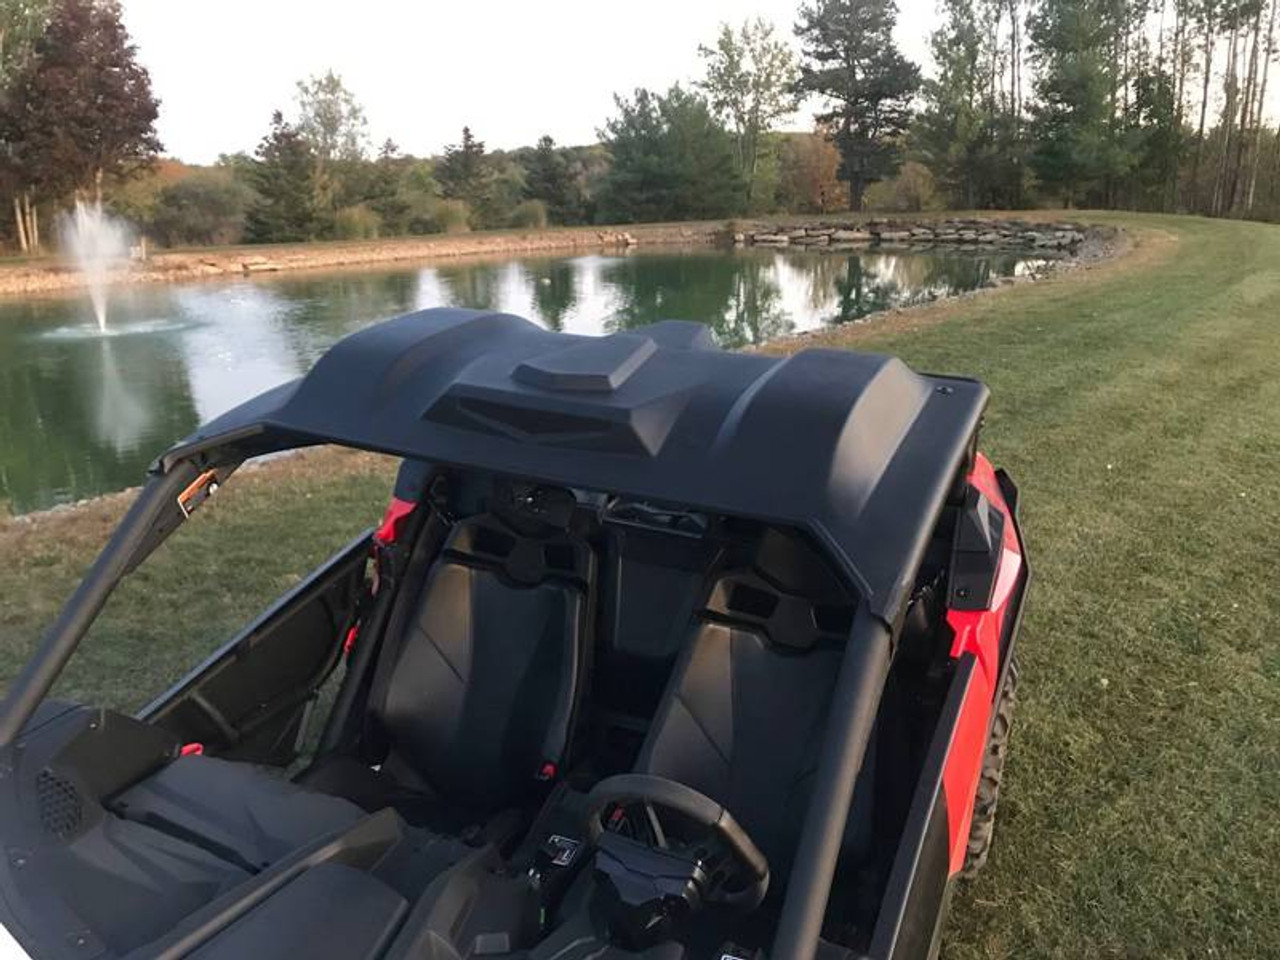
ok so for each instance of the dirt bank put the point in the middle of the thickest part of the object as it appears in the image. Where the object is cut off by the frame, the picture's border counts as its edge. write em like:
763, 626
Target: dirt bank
54, 274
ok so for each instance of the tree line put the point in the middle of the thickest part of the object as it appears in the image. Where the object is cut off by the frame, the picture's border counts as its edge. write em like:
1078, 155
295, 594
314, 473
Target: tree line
1140, 104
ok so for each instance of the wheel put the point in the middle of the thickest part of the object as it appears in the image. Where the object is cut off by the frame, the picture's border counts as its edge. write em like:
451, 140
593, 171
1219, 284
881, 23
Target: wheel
984, 808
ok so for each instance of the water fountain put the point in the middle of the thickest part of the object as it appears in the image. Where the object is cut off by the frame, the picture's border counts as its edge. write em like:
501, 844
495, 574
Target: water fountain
95, 240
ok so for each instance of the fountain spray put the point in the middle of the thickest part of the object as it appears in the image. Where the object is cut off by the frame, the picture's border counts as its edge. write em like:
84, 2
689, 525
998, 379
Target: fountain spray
95, 240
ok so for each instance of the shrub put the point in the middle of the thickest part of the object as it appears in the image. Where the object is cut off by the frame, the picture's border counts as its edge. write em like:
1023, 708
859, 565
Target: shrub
204, 208
529, 215
449, 216
356, 222
911, 191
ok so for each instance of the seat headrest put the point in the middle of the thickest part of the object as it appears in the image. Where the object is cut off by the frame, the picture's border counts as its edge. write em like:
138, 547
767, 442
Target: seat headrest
533, 509
488, 540
787, 620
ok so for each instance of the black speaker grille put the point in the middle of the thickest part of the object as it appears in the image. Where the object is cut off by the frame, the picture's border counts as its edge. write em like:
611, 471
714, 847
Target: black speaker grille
61, 809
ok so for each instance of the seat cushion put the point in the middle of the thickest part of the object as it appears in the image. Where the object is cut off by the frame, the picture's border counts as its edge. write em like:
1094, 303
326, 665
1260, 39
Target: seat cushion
248, 815
373, 790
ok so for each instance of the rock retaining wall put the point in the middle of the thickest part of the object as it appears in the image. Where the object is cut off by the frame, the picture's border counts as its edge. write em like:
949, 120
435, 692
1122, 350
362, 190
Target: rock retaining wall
1047, 239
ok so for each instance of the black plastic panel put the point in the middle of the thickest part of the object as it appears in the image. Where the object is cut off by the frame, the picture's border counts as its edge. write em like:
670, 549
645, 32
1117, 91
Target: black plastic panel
247, 701
855, 448
331, 911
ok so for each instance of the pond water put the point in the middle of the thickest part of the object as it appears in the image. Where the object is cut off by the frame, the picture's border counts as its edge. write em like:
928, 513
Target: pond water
83, 414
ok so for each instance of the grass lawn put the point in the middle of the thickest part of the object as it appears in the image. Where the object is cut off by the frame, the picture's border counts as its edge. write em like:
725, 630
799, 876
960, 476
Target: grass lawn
1138, 406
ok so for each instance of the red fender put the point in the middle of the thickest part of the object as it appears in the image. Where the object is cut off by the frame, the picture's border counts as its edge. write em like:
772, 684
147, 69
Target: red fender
978, 632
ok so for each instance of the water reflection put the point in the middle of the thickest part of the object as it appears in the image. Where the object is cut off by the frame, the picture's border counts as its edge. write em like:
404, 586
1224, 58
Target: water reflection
81, 414
122, 418
555, 290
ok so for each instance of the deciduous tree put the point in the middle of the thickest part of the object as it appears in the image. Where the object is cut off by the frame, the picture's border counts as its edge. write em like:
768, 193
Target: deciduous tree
809, 173
80, 108
750, 82
333, 123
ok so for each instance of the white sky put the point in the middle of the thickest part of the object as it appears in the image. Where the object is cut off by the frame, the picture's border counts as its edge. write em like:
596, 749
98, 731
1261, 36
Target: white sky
512, 69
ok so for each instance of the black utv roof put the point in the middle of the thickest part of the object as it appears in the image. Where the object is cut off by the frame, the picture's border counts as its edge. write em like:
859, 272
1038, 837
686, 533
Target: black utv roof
856, 448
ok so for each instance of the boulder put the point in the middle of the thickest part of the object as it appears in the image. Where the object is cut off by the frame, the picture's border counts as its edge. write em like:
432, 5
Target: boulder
893, 236
851, 236
771, 239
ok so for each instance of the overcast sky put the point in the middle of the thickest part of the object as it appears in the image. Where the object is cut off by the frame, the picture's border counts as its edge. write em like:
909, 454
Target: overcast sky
512, 69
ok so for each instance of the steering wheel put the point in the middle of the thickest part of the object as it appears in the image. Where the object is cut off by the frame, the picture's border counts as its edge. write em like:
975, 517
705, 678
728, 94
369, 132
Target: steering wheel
745, 882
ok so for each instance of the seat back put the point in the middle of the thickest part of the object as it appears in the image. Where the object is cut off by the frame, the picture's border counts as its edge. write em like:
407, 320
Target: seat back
480, 693
652, 584
744, 714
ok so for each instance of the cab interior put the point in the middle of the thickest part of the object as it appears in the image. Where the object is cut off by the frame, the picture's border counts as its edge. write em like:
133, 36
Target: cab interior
514, 734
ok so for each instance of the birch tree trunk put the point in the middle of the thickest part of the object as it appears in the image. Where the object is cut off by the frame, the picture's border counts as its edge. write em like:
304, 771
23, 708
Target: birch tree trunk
1262, 102
1180, 74
1204, 112
1246, 113
20, 224
1230, 90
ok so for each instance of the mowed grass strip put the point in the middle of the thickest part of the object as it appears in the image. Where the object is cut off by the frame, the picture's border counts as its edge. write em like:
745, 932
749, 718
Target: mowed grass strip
1138, 405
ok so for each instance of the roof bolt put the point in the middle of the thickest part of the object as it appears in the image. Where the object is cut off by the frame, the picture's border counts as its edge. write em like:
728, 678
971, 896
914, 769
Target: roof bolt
962, 593
947, 391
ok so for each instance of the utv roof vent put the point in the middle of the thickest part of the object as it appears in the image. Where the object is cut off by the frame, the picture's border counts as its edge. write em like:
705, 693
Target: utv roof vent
597, 366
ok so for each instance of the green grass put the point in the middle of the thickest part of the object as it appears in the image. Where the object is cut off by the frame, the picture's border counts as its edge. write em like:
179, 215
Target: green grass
262, 533
1138, 405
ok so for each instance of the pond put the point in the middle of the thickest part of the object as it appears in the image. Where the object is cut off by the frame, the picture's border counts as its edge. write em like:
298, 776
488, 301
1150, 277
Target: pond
83, 414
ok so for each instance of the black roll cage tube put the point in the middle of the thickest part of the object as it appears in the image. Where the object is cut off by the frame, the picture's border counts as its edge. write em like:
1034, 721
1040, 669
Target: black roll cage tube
855, 702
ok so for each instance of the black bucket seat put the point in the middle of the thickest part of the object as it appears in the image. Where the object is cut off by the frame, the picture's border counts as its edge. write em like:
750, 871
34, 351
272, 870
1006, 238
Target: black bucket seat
474, 699
744, 713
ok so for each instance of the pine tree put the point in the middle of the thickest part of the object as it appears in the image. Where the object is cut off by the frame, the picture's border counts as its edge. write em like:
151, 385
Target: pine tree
282, 177
671, 160
548, 178
464, 172
1073, 121
852, 61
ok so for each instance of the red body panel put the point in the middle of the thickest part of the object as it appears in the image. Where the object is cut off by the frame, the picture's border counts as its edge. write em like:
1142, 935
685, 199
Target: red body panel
978, 632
